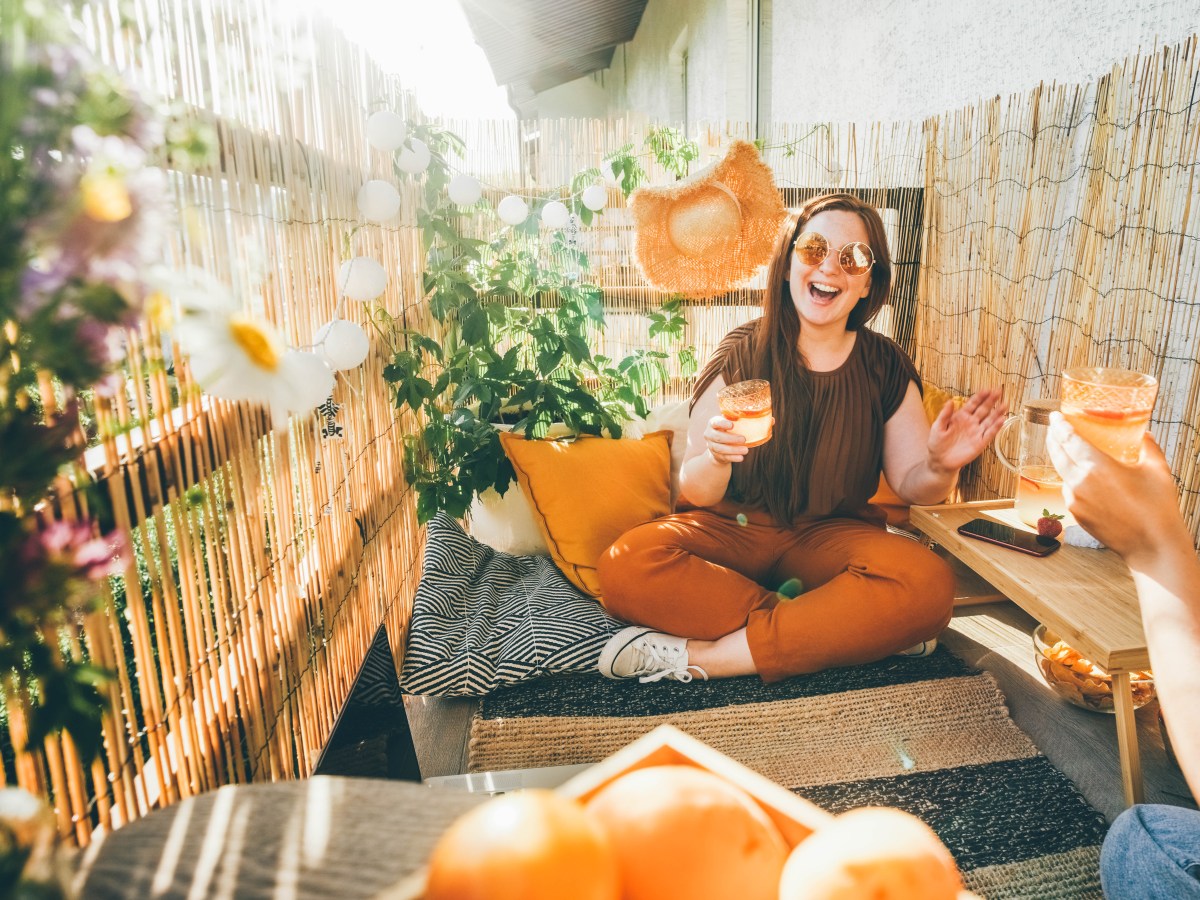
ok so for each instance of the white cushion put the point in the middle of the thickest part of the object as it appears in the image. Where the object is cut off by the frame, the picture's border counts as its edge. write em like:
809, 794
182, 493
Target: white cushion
673, 417
506, 523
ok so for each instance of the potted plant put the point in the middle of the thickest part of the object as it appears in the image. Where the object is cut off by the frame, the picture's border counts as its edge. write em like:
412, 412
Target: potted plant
515, 318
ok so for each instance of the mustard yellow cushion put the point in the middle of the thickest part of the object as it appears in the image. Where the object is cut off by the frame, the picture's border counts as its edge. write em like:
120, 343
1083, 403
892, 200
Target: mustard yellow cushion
587, 492
893, 507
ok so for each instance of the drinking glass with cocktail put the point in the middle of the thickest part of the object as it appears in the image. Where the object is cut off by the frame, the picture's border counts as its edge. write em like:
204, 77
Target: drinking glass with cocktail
1110, 408
748, 405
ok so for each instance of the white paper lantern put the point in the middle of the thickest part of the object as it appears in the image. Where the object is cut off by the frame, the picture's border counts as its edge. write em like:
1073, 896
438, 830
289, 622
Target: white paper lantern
342, 344
361, 279
595, 197
386, 131
512, 210
311, 380
378, 201
414, 159
555, 214
464, 190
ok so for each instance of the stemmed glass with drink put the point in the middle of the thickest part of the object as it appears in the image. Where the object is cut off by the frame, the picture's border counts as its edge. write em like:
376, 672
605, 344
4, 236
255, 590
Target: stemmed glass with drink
1109, 407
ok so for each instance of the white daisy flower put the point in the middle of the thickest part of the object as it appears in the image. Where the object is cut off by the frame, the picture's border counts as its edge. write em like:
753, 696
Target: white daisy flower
237, 357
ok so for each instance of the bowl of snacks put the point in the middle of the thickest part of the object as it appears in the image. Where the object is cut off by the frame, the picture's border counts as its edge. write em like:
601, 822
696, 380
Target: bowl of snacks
1079, 680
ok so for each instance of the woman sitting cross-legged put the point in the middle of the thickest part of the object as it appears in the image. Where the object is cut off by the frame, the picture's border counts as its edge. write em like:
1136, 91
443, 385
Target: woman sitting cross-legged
776, 563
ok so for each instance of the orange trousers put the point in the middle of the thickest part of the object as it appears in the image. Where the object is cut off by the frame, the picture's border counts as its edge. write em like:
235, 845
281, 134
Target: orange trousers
866, 593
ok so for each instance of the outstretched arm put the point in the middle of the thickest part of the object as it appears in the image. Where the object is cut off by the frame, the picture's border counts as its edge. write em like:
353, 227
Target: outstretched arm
921, 461
1135, 511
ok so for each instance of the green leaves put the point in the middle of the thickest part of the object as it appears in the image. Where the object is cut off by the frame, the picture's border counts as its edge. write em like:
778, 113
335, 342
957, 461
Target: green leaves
34, 450
668, 321
451, 460
434, 227
424, 344
626, 169
414, 392
689, 365
577, 348
645, 370
73, 700
405, 372
516, 320
667, 326
672, 149
593, 302
474, 323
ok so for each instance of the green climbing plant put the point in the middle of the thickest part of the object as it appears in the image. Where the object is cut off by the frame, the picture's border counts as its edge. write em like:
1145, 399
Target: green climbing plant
513, 339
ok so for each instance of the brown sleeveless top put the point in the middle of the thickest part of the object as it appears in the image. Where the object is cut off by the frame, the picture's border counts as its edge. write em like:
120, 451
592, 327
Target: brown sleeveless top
842, 438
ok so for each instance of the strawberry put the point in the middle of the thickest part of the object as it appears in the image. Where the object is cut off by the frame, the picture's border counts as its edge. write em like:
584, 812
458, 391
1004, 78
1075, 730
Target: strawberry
1049, 525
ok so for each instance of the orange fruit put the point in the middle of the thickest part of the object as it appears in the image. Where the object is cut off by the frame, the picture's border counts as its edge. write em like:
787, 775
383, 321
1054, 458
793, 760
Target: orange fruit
884, 854
528, 845
679, 831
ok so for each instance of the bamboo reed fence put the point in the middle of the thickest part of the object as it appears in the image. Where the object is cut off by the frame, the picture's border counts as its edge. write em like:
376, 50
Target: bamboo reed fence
1029, 233
1061, 229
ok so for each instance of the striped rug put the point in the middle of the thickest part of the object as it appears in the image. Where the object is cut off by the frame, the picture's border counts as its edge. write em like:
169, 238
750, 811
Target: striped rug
931, 736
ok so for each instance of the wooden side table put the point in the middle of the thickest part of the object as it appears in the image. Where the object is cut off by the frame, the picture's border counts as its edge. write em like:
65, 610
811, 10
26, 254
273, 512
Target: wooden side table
1086, 596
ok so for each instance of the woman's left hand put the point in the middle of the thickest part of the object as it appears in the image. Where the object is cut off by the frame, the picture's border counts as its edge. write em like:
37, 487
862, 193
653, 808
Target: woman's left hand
959, 435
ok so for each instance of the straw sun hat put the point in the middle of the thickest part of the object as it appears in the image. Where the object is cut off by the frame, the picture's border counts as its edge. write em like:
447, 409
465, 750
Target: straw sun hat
705, 234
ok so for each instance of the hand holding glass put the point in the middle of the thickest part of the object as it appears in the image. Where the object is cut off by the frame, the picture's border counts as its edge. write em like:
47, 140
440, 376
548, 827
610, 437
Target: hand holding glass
1110, 408
748, 405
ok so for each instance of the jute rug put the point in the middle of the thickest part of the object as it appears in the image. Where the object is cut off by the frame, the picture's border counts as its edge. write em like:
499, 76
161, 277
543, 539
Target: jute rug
931, 736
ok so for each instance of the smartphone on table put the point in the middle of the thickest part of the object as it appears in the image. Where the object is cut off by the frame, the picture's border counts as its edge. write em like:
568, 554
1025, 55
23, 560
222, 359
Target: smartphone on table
1007, 536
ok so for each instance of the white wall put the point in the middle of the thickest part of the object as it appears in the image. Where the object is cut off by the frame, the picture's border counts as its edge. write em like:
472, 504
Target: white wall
862, 60
646, 78
582, 98
868, 60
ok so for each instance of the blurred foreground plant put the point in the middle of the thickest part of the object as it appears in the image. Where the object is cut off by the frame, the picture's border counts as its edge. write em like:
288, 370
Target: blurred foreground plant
83, 216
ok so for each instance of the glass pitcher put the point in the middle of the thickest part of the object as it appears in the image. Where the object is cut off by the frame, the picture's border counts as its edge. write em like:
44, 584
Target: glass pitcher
1039, 487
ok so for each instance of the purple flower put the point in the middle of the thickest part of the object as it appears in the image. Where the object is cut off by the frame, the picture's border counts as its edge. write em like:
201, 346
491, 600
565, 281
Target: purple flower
70, 244
73, 547
38, 287
56, 537
103, 344
81, 81
102, 557
45, 96
110, 385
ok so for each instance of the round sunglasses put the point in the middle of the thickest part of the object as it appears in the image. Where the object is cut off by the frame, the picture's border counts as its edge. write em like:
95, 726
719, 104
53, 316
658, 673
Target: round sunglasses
855, 258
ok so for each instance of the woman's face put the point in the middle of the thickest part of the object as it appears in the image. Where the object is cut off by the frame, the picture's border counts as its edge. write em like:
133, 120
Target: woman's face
824, 295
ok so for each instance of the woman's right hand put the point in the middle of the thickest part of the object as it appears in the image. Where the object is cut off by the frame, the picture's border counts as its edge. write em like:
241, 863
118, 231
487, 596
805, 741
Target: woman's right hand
723, 444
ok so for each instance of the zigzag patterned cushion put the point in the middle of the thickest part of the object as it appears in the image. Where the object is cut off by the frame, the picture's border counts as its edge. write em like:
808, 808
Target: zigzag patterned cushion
483, 618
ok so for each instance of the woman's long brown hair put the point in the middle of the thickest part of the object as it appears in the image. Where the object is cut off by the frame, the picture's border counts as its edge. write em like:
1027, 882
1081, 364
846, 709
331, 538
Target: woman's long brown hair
777, 475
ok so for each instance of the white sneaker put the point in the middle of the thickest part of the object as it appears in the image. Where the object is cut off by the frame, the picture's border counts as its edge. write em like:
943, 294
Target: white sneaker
647, 655
922, 649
